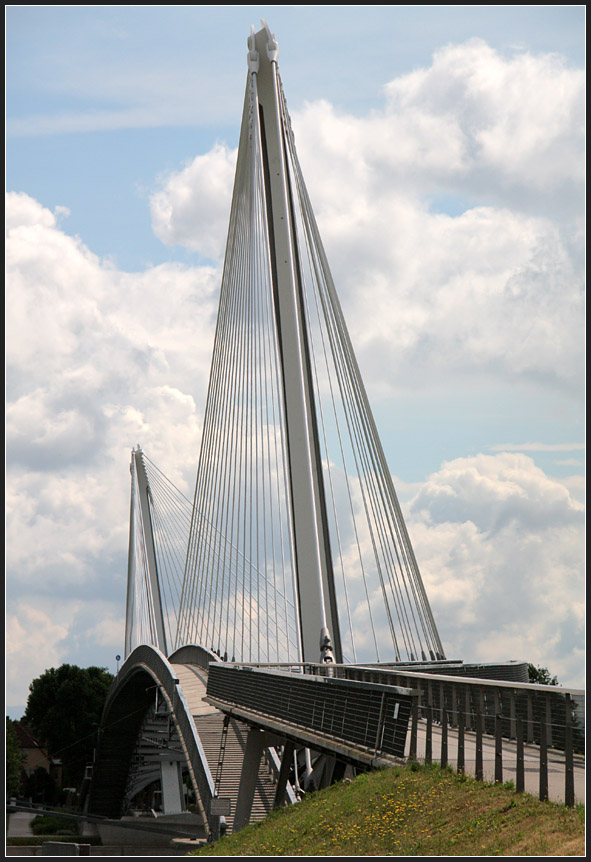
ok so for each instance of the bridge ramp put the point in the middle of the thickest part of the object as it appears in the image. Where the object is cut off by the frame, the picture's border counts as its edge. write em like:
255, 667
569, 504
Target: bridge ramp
209, 722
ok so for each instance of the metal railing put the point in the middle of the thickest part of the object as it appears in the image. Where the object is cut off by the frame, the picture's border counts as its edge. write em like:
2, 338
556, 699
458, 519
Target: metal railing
454, 717
370, 719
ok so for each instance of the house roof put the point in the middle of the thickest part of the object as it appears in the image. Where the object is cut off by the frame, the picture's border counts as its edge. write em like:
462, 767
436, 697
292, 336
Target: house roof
26, 737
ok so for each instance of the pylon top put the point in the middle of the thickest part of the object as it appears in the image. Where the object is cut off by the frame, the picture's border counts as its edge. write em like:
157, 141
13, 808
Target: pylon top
253, 57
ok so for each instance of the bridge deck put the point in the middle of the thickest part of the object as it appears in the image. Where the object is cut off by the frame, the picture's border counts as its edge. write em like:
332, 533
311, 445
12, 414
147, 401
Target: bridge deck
531, 755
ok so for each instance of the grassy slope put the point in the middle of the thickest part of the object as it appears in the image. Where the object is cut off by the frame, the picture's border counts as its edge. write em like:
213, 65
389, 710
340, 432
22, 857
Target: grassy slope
412, 811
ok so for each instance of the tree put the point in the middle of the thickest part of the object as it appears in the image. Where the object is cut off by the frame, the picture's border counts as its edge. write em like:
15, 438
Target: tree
64, 708
541, 675
14, 760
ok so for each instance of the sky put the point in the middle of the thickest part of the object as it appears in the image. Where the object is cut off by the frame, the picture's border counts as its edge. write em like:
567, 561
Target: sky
444, 153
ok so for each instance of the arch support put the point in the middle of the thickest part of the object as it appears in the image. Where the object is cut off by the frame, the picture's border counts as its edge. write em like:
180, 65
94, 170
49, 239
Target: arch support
144, 673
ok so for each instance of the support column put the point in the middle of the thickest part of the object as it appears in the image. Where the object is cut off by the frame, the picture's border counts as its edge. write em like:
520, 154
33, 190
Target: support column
286, 764
173, 801
315, 580
256, 741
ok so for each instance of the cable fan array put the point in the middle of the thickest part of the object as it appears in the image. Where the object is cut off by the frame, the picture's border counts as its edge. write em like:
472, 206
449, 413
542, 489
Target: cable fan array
238, 593
384, 611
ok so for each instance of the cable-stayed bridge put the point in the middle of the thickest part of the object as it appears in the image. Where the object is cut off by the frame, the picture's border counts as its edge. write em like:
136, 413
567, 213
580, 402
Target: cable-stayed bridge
293, 553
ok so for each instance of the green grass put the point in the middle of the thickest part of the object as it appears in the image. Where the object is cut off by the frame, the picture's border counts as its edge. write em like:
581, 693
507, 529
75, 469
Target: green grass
412, 811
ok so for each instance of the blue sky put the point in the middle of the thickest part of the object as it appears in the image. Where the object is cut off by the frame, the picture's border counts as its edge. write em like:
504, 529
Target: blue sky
444, 152
85, 68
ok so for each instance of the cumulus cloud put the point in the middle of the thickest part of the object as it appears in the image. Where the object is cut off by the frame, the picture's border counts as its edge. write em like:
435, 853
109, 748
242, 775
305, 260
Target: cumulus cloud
452, 220
193, 205
521, 117
501, 550
92, 356
34, 642
91, 350
496, 287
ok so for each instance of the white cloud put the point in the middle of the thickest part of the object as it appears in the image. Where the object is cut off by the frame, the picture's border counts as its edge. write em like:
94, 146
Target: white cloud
89, 347
497, 289
92, 354
99, 360
501, 549
521, 117
34, 643
193, 205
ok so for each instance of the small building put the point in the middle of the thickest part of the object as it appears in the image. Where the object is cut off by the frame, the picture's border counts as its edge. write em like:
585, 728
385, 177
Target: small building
35, 754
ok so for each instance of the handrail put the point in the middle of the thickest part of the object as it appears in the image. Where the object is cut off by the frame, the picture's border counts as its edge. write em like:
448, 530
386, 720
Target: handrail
549, 717
367, 719
338, 669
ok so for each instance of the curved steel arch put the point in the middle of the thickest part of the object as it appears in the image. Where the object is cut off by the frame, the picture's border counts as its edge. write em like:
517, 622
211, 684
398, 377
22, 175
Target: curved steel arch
127, 701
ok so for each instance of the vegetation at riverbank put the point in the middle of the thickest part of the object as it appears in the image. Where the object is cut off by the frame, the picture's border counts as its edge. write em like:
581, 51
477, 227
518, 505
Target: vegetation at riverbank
412, 811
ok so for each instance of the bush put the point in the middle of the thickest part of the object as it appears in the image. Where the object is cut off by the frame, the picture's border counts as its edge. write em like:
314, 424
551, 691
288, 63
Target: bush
43, 825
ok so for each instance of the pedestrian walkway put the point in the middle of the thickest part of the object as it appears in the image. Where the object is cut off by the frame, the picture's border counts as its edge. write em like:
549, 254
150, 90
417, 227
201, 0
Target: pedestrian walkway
531, 754
19, 824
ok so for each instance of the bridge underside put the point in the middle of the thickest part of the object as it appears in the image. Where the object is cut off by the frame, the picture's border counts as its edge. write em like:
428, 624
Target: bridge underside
156, 715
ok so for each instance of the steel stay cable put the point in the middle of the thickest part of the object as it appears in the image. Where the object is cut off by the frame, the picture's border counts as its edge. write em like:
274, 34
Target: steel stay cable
232, 374
299, 183
271, 324
224, 497
226, 432
221, 404
367, 410
222, 343
194, 543
320, 412
334, 354
343, 388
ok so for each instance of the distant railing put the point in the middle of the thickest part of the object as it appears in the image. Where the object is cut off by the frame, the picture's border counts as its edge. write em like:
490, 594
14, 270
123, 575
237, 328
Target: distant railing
548, 717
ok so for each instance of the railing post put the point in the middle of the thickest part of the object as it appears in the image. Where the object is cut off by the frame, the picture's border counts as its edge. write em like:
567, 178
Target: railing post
543, 763
498, 709
513, 716
380, 729
429, 737
479, 718
461, 758
569, 778
530, 718
498, 749
443, 738
519, 762
414, 727
548, 721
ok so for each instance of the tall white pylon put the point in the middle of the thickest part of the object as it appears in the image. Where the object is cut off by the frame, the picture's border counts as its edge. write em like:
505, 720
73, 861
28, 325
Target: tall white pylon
298, 547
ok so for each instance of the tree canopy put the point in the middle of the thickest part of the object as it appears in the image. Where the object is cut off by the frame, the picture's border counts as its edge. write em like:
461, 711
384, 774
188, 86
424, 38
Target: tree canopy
64, 708
14, 760
541, 675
